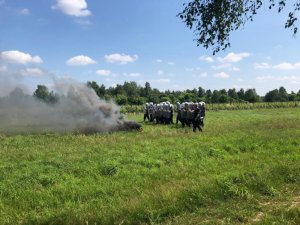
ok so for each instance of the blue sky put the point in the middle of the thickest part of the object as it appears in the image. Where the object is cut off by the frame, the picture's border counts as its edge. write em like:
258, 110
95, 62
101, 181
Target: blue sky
115, 41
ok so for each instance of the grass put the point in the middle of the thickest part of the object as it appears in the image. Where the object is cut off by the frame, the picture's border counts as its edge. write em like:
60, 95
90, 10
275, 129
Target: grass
243, 169
225, 106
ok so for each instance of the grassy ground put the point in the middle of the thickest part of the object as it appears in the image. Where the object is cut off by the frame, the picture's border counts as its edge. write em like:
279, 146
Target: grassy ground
243, 169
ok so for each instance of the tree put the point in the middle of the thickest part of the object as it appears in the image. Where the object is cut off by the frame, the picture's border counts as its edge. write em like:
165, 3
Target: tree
119, 90
232, 93
223, 98
147, 89
215, 98
241, 94
214, 20
208, 95
121, 99
272, 96
201, 92
100, 91
131, 89
251, 95
187, 97
165, 99
298, 96
283, 95
42, 93
223, 92
292, 96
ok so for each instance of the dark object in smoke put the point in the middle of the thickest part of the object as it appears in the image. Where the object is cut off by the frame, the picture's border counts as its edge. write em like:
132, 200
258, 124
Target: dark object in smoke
131, 125
123, 126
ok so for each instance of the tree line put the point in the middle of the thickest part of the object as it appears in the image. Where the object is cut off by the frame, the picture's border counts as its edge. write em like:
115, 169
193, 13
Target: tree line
130, 93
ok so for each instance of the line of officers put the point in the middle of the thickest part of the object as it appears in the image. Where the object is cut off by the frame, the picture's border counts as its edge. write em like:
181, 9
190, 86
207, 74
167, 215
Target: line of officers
188, 113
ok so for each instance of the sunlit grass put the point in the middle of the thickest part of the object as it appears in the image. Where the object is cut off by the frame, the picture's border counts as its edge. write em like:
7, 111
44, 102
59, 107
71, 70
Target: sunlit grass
244, 168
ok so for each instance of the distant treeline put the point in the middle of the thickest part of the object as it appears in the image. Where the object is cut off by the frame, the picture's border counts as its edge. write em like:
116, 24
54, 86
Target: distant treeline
130, 93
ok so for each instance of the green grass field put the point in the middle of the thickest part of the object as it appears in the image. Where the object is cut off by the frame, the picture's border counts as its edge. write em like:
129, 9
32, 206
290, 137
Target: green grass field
243, 169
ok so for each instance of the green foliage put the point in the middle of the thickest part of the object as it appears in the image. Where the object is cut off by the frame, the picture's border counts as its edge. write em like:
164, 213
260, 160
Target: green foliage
214, 20
280, 95
42, 93
132, 94
121, 99
251, 96
100, 90
244, 163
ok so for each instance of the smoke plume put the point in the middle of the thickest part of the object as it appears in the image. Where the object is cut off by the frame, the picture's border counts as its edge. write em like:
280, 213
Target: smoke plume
78, 109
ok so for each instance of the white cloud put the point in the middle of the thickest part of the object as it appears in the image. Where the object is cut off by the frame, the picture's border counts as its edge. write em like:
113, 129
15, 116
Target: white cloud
162, 81
280, 66
234, 57
240, 79
268, 58
132, 74
157, 81
189, 69
24, 12
103, 72
114, 85
287, 66
294, 79
235, 68
83, 21
264, 78
120, 58
109, 80
76, 8
160, 73
207, 59
242, 86
3, 68
80, 60
170, 63
19, 57
35, 72
279, 46
222, 66
262, 65
192, 69
289, 79
201, 75
284, 66
221, 75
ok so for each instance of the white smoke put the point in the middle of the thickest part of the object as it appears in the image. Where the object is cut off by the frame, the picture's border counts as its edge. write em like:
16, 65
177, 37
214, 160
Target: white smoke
79, 109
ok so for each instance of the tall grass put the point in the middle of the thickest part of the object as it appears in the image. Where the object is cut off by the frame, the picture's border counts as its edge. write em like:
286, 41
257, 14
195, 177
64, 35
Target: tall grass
243, 169
226, 106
